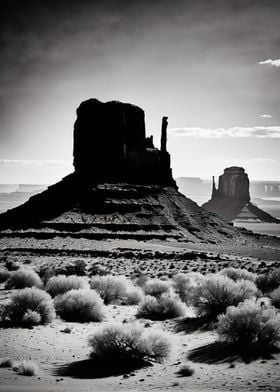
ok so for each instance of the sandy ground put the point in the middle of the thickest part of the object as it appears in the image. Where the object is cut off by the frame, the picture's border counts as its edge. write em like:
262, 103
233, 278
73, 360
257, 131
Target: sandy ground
51, 348
258, 246
215, 369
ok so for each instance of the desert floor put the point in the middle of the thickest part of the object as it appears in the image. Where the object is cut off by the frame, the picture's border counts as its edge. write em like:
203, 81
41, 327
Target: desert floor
216, 367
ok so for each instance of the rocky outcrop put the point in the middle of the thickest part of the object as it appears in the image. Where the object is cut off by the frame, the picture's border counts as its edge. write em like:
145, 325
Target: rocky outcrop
110, 145
122, 187
233, 184
232, 198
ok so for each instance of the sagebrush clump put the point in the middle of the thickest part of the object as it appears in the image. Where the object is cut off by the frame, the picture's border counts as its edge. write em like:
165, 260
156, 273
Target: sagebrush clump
185, 371
29, 306
186, 284
165, 307
217, 292
275, 297
97, 269
156, 287
12, 265
111, 288
250, 324
22, 278
60, 284
268, 282
31, 318
238, 274
80, 305
4, 275
120, 344
26, 368
134, 296
6, 362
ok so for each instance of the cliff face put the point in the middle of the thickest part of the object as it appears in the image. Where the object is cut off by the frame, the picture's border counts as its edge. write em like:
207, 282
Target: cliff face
122, 187
232, 198
110, 145
234, 184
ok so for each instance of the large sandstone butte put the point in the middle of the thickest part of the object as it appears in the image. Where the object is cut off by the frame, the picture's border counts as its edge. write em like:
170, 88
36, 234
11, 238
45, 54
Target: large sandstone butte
232, 198
110, 146
122, 187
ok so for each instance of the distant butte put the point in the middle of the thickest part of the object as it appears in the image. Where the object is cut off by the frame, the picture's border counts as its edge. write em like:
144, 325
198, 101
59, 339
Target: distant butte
122, 187
231, 200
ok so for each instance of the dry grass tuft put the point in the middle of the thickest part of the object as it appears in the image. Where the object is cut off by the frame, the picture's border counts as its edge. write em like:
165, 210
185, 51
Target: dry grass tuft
26, 368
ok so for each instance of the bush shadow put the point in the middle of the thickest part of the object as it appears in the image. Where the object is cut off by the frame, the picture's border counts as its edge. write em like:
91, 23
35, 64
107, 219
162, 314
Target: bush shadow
222, 352
91, 368
193, 324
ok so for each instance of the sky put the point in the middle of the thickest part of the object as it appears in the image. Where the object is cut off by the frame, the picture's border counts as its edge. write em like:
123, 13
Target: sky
212, 67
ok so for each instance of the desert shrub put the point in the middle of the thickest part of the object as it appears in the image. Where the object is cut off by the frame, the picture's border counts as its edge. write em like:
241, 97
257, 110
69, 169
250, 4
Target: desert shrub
26, 368
185, 284
111, 288
23, 277
66, 330
165, 307
134, 296
61, 284
128, 343
80, 305
46, 272
268, 282
6, 362
97, 269
250, 324
275, 297
156, 287
185, 371
238, 274
12, 265
26, 305
78, 267
141, 280
31, 318
4, 275
217, 292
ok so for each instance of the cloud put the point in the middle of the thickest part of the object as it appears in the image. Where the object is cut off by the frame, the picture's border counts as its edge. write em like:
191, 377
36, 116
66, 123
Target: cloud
32, 163
233, 132
272, 63
266, 116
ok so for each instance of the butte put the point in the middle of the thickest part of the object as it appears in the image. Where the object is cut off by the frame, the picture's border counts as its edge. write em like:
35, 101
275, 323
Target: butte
232, 200
122, 187
121, 195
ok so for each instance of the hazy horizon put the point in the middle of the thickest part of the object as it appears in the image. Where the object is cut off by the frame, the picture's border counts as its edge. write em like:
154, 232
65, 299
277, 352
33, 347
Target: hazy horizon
57, 178
212, 67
